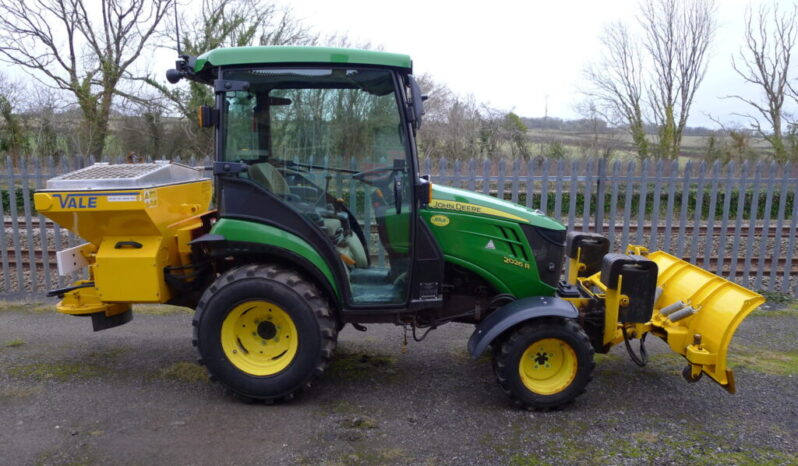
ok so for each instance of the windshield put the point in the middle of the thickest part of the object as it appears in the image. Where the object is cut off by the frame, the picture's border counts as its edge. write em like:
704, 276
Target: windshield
327, 117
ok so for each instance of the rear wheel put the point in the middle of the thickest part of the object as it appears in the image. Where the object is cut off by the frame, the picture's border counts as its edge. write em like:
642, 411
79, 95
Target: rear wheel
545, 364
264, 332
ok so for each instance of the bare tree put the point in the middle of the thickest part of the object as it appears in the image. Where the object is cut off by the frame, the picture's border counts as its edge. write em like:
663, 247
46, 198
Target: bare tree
616, 83
12, 130
225, 23
673, 46
49, 132
603, 140
677, 37
764, 61
80, 47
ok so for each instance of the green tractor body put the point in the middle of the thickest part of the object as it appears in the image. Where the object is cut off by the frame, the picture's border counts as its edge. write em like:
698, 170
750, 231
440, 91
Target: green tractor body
322, 219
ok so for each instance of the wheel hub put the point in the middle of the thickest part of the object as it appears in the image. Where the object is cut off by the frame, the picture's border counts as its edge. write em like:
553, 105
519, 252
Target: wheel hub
267, 330
548, 366
259, 338
542, 359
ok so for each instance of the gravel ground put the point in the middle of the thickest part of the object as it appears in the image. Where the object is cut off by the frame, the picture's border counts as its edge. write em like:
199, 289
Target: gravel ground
133, 395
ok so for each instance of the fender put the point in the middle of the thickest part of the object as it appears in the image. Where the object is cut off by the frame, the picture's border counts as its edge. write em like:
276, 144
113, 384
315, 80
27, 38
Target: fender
257, 238
514, 313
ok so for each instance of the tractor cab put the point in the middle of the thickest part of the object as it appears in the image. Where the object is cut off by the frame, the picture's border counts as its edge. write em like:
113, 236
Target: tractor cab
330, 144
325, 151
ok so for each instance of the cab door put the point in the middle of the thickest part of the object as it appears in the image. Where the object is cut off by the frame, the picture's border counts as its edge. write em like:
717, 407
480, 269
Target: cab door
334, 145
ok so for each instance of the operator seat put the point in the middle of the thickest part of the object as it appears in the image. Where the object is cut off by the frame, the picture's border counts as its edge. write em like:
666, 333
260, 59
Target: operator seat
269, 177
266, 175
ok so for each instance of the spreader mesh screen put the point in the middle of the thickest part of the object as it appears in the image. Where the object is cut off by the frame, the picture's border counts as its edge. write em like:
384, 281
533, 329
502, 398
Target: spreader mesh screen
125, 176
113, 171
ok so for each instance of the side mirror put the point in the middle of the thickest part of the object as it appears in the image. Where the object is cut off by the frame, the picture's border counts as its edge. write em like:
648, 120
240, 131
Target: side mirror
417, 102
206, 116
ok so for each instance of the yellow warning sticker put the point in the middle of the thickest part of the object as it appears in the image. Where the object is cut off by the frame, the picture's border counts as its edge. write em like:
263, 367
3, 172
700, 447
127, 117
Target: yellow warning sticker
439, 220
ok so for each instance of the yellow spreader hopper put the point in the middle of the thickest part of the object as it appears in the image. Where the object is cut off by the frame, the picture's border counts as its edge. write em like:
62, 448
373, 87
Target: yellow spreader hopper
138, 220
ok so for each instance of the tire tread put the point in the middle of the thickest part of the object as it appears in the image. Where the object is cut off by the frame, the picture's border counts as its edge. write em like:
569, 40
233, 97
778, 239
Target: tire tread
303, 288
505, 370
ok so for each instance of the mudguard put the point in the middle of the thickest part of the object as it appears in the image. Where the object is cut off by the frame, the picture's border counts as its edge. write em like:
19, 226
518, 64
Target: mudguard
514, 313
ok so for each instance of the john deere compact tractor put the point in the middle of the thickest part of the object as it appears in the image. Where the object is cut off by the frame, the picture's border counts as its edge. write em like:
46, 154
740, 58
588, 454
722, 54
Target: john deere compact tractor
321, 220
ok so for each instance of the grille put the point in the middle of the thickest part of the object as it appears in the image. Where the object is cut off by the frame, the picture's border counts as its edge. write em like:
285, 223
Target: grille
548, 247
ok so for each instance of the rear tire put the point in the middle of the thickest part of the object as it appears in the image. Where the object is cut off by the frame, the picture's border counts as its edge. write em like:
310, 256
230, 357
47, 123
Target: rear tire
545, 364
264, 332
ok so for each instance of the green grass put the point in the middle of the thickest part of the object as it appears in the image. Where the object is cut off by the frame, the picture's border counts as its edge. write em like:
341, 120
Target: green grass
185, 372
359, 422
646, 447
59, 372
44, 307
776, 297
160, 309
14, 343
92, 365
33, 307
765, 361
776, 313
357, 366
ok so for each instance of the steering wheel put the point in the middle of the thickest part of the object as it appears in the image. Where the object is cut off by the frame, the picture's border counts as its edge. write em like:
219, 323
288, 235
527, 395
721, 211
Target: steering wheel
382, 178
378, 177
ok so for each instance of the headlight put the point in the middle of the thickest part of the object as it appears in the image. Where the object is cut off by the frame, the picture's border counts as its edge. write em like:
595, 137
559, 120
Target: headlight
548, 247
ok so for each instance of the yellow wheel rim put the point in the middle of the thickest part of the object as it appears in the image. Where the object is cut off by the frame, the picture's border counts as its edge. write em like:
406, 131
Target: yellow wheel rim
548, 366
259, 338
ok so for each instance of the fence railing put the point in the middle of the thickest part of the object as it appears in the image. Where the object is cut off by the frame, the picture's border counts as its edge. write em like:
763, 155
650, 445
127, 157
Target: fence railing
737, 220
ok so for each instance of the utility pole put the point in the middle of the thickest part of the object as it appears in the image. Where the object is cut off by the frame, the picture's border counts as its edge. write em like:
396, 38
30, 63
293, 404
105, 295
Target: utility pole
546, 109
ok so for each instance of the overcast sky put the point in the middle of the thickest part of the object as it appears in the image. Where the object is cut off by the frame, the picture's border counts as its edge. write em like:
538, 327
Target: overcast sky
512, 54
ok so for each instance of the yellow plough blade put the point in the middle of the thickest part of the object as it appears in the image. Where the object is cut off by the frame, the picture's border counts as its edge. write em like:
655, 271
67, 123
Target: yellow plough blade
713, 307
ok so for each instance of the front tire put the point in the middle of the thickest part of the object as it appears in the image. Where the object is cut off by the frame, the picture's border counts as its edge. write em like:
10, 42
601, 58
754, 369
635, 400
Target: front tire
264, 332
545, 364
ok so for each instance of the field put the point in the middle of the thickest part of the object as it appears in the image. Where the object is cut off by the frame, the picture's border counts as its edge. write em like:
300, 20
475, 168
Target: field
576, 143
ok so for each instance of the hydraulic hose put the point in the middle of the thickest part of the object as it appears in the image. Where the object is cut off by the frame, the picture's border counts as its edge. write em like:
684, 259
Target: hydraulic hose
641, 360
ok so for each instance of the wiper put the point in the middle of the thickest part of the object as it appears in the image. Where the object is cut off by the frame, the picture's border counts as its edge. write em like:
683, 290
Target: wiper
290, 163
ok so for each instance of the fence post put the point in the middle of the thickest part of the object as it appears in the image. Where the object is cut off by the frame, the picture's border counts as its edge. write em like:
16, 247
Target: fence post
780, 229
33, 270
600, 193
588, 191
12, 207
642, 201
753, 214
4, 246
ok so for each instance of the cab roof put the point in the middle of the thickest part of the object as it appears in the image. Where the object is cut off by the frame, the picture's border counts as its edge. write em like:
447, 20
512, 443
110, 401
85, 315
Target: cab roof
299, 54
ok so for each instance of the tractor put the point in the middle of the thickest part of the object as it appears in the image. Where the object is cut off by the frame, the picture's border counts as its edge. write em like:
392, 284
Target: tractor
317, 217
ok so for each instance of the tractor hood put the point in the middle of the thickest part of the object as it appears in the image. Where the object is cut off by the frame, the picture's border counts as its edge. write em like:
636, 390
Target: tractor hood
445, 198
